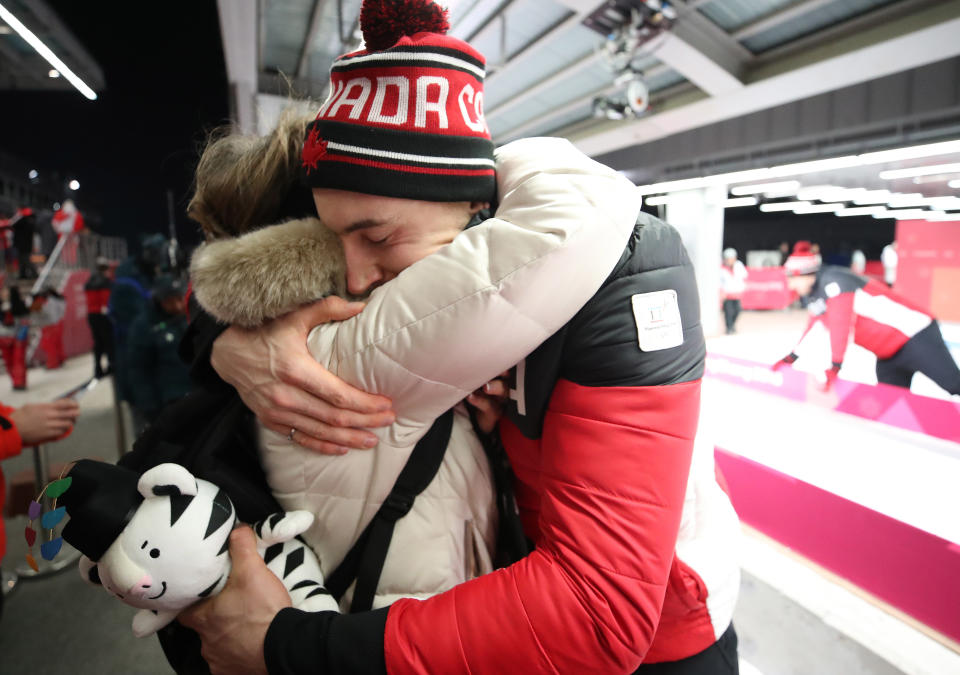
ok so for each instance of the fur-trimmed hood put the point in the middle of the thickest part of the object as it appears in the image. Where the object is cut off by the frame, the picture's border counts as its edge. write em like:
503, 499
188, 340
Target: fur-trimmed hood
268, 272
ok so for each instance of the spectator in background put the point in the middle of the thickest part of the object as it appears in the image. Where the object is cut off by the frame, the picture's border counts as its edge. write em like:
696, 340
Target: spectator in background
784, 249
129, 296
858, 262
24, 224
733, 281
14, 315
889, 259
905, 338
67, 219
32, 424
97, 291
156, 373
49, 308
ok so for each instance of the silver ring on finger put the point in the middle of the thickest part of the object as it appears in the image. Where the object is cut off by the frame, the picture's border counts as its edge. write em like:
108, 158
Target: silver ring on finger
290, 435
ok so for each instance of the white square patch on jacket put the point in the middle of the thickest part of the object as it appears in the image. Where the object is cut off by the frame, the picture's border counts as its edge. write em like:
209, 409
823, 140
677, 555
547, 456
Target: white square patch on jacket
658, 320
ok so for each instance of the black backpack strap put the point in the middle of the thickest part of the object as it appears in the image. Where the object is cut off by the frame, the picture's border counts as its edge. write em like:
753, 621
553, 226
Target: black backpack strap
364, 561
512, 543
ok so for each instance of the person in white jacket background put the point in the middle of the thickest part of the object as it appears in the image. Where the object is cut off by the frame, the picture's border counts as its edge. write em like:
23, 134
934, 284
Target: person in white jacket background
733, 282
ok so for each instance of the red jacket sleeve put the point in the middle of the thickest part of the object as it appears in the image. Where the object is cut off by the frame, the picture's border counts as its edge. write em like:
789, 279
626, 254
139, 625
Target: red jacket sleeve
615, 462
10, 441
838, 320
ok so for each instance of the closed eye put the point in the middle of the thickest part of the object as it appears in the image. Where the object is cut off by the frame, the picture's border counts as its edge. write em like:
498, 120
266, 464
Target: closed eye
378, 241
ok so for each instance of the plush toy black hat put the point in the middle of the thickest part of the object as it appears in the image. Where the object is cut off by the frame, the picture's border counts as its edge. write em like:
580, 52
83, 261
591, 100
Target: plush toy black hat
100, 502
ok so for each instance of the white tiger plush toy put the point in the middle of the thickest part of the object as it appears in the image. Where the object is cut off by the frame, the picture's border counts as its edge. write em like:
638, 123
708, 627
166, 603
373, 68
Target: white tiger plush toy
172, 548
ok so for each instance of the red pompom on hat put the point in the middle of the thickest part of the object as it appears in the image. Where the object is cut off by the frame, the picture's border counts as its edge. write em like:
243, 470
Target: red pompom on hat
405, 114
384, 22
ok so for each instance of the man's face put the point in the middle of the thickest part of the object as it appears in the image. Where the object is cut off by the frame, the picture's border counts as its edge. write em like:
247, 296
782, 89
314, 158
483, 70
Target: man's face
382, 236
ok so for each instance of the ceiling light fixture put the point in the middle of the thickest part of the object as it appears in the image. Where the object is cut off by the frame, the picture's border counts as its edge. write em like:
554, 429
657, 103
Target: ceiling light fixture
802, 168
45, 52
861, 211
818, 208
657, 200
780, 187
932, 170
905, 214
954, 183
740, 201
873, 197
782, 206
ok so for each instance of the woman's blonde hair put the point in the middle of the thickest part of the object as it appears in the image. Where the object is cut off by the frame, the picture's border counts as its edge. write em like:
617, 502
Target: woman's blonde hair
244, 182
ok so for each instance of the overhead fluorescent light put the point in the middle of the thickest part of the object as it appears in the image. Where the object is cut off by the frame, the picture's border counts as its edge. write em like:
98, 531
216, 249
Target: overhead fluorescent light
911, 152
873, 197
931, 170
904, 214
803, 168
818, 208
944, 203
740, 201
861, 211
822, 193
657, 200
906, 199
46, 53
782, 206
784, 187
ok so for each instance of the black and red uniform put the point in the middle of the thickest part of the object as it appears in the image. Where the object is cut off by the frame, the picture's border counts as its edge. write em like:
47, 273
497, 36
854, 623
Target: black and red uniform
600, 434
905, 338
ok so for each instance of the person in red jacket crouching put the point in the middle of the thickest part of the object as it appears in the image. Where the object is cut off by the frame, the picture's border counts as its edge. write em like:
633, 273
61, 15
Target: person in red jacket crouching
31, 424
905, 338
634, 562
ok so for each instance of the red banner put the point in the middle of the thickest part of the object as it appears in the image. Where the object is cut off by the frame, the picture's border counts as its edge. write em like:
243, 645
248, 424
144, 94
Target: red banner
928, 266
766, 289
76, 331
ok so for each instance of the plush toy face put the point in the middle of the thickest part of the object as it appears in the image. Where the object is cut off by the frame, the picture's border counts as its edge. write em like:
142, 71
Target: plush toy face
174, 549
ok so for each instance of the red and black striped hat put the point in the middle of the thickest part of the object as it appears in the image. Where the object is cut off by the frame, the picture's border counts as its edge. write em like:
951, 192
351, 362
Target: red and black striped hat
405, 114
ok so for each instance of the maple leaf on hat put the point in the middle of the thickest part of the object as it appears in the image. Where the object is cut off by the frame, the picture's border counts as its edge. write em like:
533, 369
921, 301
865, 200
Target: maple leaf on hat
313, 149
384, 22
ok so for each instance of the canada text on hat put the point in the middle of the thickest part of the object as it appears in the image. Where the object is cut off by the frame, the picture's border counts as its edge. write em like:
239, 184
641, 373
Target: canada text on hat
405, 114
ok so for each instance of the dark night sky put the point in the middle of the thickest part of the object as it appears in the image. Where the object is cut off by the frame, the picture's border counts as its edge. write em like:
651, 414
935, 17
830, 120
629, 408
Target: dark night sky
165, 88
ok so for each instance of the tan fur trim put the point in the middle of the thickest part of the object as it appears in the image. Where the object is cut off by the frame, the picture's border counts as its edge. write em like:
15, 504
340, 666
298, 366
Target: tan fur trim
267, 272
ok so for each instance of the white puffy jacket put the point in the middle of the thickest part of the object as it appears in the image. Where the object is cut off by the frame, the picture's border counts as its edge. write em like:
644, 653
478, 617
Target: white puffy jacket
507, 285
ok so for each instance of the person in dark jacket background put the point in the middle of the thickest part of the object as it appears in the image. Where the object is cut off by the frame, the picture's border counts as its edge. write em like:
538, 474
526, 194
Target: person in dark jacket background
129, 296
24, 226
156, 373
97, 291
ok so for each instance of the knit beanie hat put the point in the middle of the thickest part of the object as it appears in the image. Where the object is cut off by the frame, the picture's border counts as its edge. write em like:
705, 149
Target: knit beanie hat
802, 261
405, 114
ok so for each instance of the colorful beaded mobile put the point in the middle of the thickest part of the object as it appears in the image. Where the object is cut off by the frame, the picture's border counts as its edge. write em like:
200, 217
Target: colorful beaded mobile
48, 549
